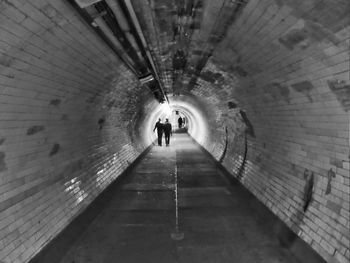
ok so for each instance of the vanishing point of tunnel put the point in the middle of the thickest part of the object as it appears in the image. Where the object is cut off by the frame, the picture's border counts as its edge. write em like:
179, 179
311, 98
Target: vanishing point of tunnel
257, 172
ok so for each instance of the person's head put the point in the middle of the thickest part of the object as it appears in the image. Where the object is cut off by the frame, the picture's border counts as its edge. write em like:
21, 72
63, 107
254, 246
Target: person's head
159, 120
166, 120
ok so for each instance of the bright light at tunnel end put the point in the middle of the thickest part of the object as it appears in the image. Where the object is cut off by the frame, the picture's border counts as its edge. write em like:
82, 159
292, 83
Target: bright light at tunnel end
165, 109
196, 121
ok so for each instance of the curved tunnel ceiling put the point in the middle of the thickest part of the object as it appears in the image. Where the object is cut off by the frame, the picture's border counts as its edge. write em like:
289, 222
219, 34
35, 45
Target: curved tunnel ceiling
264, 85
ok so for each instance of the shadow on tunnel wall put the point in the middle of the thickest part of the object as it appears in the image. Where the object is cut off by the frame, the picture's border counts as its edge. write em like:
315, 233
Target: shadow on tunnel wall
249, 131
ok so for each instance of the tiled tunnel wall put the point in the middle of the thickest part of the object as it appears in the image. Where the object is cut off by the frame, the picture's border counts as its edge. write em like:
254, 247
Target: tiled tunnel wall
293, 85
70, 115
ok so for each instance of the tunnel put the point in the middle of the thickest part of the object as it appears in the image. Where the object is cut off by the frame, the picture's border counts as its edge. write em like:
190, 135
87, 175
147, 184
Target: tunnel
262, 86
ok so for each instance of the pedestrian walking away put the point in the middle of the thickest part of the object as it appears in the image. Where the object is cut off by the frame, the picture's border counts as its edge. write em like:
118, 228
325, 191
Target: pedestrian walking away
180, 122
159, 126
167, 131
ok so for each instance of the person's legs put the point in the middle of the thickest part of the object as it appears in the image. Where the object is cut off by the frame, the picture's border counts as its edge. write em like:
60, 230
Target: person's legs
159, 139
167, 136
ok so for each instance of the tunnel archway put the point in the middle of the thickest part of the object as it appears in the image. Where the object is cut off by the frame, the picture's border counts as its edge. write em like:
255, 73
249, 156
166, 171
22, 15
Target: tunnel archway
197, 120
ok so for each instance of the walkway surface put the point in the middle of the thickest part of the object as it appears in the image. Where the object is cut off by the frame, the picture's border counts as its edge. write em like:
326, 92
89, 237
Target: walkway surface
217, 221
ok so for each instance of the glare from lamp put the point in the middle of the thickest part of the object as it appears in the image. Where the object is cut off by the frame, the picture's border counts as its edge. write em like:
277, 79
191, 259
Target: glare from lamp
165, 109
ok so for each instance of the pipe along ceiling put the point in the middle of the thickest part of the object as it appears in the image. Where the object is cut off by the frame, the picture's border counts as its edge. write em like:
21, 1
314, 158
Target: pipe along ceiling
116, 23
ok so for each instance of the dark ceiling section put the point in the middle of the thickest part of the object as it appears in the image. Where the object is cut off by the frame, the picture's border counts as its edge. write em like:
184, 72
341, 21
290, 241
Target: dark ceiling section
226, 16
187, 20
116, 23
169, 26
186, 35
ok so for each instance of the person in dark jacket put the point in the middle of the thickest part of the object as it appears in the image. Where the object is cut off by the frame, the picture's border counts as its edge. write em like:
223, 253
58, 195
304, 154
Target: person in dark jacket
159, 126
167, 131
180, 122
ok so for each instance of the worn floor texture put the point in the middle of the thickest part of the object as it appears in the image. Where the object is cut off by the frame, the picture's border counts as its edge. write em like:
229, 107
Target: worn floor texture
217, 221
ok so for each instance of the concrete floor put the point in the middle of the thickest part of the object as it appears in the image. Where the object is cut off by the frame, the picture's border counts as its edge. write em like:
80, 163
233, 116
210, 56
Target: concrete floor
217, 220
